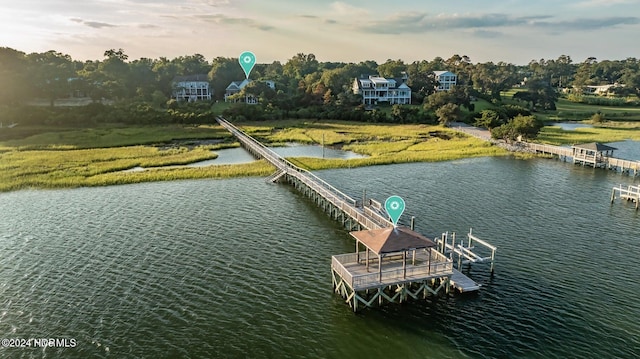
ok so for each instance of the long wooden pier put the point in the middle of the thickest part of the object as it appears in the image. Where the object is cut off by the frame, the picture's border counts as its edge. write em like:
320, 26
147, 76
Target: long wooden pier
430, 271
354, 214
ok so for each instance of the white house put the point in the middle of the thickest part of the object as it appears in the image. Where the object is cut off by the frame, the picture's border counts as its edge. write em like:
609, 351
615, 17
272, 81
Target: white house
236, 86
191, 88
376, 89
600, 89
445, 79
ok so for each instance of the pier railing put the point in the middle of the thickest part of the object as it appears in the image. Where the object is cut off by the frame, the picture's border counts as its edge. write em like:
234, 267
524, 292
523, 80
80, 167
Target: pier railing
366, 217
346, 265
550, 149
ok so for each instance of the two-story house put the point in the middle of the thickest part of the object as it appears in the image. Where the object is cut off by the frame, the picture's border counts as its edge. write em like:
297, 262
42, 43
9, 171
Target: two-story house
376, 89
191, 88
446, 80
237, 86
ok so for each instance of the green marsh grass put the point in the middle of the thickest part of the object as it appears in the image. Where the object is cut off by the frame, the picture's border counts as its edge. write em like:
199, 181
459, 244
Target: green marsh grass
619, 132
383, 143
114, 136
97, 157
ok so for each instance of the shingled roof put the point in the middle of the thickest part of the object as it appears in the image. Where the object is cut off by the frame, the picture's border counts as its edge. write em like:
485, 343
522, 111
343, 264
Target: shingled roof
595, 146
392, 240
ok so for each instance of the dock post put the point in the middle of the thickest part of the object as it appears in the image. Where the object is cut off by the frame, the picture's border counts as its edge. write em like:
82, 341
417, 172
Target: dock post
453, 245
413, 222
613, 194
493, 256
364, 197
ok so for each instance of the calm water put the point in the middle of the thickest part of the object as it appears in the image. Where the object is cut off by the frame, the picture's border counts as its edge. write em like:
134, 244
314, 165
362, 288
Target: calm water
570, 126
241, 268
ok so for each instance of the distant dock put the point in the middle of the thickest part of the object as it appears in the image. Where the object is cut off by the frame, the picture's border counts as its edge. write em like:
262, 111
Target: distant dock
593, 154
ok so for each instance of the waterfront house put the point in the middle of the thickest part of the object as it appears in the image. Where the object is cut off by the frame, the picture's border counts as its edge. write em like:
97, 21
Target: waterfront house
446, 80
237, 86
191, 88
375, 89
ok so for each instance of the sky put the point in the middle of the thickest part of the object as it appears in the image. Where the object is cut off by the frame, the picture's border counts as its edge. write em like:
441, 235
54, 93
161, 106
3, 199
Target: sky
515, 31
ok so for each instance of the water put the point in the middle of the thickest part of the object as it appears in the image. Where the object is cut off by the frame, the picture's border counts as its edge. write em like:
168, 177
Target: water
570, 126
239, 155
628, 150
241, 268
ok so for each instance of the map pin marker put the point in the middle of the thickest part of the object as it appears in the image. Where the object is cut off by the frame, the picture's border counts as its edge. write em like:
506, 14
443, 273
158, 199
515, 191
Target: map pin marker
395, 207
247, 60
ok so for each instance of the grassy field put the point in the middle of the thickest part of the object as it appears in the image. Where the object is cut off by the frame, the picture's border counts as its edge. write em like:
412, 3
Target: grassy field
573, 111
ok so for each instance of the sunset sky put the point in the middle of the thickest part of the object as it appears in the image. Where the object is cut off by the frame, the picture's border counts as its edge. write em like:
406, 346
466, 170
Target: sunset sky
514, 31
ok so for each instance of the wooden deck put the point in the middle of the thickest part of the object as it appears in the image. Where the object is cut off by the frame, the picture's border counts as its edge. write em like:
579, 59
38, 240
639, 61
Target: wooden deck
357, 276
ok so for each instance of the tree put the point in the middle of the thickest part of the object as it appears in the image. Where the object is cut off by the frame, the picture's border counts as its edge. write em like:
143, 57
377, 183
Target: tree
438, 99
492, 79
300, 66
489, 119
392, 68
524, 127
539, 95
115, 72
448, 113
13, 76
404, 114
421, 80
50, 73
223, 71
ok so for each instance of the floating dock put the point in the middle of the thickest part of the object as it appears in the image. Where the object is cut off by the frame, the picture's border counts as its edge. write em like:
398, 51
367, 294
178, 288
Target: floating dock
397, 263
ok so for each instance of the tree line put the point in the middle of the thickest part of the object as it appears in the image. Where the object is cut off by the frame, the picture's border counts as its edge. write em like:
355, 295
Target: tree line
305, 87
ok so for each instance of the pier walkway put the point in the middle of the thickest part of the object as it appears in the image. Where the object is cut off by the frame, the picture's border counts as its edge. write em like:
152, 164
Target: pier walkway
353, 213
411, 269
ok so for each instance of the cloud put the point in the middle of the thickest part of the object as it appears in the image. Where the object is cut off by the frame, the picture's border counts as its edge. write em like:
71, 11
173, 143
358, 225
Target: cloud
93, 24
598, 3
407, 23
148, 26
487, 34
226, 20
587, 24
343, 9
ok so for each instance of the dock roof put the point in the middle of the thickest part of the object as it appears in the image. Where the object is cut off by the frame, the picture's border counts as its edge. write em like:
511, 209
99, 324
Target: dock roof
392, 240
595, 146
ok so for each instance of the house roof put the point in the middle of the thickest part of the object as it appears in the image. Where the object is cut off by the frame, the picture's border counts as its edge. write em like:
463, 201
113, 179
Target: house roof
196, 78
440, 73
595, 146
392, 240
237, 85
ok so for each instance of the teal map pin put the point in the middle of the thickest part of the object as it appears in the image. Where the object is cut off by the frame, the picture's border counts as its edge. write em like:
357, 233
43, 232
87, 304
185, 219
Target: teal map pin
247, 60
395, 207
